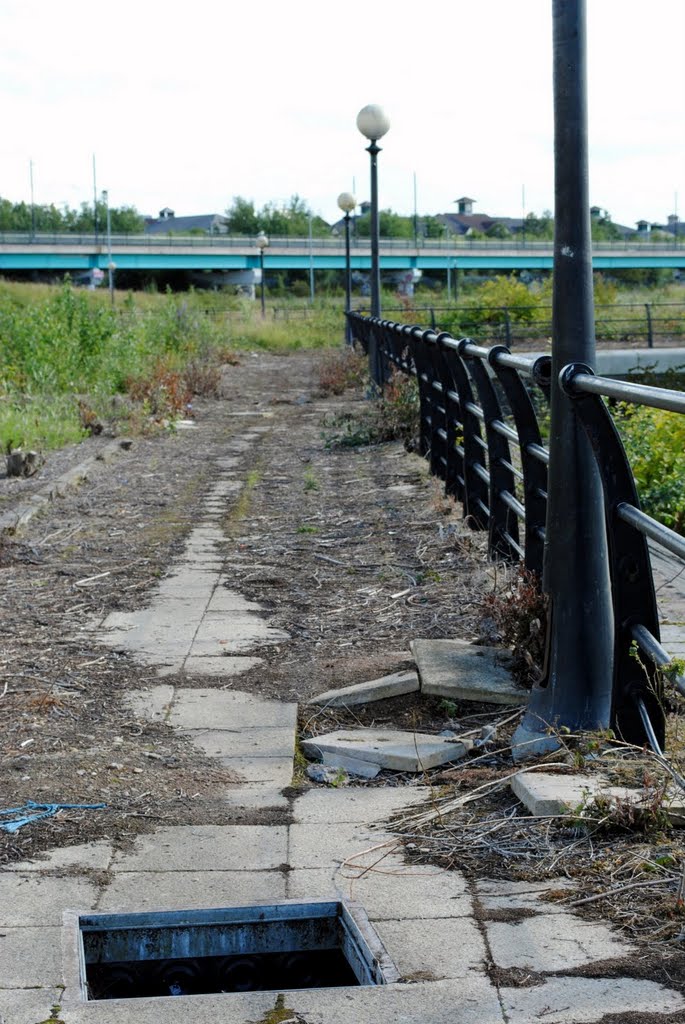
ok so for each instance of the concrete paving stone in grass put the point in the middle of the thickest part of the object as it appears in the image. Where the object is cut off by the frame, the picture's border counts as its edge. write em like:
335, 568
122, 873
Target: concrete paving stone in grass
151, 704
580, 1000
30, 957
496, 895
96, 855
130, 892
436, 948
276, 770
207, 848
394, 685
464, 671
229, 709
401, 750
553, 942
318, 846
471, 1000
219, 664
39, 899
27, 1006
244, 742
235, 1008
373, 804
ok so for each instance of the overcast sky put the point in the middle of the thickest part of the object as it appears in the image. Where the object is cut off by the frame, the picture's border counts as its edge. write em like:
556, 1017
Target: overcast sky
186, 105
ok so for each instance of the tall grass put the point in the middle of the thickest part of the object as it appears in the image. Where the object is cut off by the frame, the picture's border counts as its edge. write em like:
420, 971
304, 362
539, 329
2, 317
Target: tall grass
61, 345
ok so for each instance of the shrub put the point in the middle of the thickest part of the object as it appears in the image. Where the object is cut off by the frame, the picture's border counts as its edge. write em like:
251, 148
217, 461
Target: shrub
655, 444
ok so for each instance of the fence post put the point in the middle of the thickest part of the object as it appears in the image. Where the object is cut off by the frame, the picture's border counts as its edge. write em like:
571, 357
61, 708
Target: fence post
577, 685
650, 335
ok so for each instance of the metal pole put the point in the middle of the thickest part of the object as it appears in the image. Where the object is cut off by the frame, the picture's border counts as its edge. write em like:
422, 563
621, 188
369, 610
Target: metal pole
110, 264
95, 203
261, 267
376, 368
576, 690
348, 280
33, 207
311, 262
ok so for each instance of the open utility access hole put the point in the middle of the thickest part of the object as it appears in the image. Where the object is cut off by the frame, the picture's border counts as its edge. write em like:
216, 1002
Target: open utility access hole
233, 949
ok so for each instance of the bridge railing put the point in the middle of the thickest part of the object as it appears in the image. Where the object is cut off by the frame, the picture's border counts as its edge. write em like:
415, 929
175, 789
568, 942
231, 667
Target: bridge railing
481, 415
452, 244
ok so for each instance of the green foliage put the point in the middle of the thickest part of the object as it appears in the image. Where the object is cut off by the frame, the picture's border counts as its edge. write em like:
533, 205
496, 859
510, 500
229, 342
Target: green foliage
539, 227
278, 219
69, 344
48, 218
391, 225
655, 444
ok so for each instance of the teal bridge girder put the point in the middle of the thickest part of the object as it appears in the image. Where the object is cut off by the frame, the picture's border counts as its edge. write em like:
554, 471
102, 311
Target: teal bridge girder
222, 252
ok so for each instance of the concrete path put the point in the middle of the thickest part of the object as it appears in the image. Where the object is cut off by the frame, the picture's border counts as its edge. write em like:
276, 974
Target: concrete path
443, 933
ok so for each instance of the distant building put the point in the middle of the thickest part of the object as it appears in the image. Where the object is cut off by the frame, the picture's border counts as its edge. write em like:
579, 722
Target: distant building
169, 223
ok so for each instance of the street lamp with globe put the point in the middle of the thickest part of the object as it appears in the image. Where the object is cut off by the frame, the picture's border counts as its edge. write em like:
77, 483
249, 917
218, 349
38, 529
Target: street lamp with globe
373, 123
262, 243
347, 204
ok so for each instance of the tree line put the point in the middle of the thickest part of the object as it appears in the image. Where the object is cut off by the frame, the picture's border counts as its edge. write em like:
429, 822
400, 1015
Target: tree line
42, 217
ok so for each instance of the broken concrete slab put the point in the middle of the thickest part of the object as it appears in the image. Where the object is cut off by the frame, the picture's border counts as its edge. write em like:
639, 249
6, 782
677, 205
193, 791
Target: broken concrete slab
152, 704
437, 948
395, 685
464, 671
542, 943
591, 999
545, 793
352, 765
397, 749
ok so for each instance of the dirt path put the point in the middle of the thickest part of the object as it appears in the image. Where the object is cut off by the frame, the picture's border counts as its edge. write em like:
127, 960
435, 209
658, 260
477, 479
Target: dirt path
350, 551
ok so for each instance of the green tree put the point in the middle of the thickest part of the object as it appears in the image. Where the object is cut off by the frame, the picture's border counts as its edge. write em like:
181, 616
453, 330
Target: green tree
242, 217
539, 227
498, 231
391, 225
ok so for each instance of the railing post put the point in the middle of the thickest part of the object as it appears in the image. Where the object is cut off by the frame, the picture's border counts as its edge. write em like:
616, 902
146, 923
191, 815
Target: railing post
577, 685
650, 335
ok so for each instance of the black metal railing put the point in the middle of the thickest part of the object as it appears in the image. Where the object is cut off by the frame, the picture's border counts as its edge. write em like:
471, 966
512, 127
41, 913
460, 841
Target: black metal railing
616, 323
481, 432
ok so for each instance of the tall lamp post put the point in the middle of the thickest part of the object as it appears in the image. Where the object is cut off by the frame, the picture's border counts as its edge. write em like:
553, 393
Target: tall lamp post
347, 204
262, 243
111, 265
373, 123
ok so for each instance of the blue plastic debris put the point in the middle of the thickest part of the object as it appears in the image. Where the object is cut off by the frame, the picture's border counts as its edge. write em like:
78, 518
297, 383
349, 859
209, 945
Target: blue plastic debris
44, 811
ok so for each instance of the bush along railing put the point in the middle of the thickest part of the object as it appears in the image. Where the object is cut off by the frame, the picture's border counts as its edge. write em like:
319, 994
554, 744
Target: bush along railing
482, 436
619, 323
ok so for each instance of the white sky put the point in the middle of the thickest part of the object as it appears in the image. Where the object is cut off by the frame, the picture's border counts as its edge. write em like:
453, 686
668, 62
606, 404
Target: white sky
186, 105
